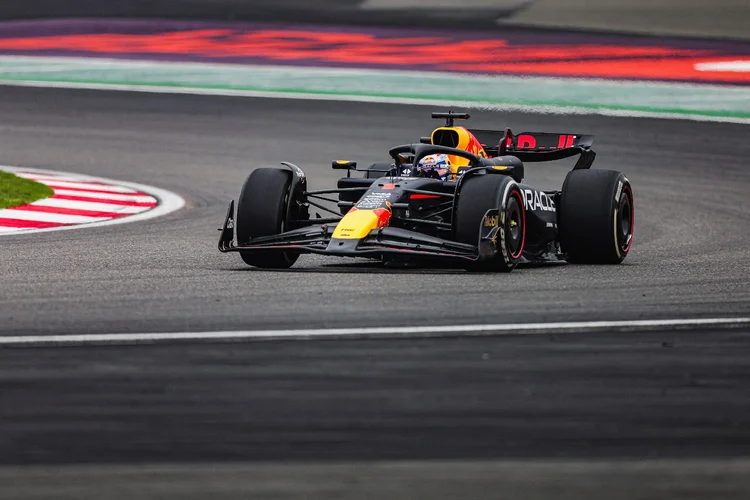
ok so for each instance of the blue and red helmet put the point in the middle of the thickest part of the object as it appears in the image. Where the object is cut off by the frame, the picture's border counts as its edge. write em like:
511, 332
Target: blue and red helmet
440, 164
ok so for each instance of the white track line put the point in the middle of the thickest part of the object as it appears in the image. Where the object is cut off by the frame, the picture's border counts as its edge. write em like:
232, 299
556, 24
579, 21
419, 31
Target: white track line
89, 205
83, 185
380, 332
168, 202
106, 196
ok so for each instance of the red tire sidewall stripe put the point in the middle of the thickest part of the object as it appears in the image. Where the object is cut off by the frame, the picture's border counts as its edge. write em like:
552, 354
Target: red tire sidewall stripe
629, 192
518, 196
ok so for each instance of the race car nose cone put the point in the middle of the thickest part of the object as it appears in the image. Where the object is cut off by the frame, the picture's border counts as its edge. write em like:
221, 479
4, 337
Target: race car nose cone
342, 246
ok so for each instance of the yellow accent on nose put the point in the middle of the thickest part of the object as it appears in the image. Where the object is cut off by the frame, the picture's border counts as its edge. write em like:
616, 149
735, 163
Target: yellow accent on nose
356, 225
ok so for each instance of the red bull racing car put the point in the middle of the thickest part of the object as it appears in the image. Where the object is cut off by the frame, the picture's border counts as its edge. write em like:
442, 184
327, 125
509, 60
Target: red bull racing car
457, 196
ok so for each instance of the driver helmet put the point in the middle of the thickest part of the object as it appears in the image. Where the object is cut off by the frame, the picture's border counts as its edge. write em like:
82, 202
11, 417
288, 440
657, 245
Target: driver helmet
438, 164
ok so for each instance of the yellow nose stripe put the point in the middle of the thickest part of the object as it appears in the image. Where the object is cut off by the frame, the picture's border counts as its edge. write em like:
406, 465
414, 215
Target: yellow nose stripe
356, 225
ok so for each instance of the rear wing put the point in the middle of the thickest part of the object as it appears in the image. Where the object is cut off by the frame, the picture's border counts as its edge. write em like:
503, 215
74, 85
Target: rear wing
538, 146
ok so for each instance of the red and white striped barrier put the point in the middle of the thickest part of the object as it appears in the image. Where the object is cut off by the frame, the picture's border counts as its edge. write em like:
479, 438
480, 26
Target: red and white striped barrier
84, 201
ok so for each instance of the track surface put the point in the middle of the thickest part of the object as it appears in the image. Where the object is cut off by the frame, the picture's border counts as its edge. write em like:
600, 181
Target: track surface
618, 395
650, 396
689, 257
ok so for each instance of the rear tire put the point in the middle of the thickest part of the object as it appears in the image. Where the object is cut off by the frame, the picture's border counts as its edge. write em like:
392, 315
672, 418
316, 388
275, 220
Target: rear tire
480, 193
596, 217
261, 211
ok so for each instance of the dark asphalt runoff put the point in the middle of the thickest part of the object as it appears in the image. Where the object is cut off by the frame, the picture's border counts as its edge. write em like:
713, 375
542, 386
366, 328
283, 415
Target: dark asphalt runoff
513, 400
428, 13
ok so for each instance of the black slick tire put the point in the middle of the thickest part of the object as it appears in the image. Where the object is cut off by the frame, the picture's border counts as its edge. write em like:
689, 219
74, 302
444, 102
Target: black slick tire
480, 193
261, 211
596, 217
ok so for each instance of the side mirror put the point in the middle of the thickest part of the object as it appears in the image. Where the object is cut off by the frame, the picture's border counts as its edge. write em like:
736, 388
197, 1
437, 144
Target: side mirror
344, 165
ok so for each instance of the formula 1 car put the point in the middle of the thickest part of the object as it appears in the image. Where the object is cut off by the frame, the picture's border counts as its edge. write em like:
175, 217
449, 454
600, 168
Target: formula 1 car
478, 213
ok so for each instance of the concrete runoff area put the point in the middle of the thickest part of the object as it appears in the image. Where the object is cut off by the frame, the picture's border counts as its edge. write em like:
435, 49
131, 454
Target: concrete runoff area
693, 18
724, 479
362, 12
442, 4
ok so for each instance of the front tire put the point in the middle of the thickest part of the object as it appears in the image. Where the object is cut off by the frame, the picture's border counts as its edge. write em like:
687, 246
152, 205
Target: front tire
261, 211
480, 193
596, 217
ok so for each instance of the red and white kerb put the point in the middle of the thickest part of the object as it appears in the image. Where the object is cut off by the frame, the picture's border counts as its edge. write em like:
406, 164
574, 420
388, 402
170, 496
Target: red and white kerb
76, 200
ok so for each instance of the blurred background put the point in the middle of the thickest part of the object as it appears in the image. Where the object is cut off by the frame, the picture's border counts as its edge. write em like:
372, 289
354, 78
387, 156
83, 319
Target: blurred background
476, 418
719, 18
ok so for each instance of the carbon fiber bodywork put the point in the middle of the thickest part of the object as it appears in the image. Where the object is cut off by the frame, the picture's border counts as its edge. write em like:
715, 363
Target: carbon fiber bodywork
405, 235
412, 214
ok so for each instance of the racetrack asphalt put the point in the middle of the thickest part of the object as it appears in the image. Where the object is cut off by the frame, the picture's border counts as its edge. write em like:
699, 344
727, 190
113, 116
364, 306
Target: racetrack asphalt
689, 257
660, 395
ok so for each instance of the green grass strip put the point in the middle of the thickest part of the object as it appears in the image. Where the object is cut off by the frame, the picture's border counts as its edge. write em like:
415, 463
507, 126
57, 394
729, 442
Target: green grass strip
15, 191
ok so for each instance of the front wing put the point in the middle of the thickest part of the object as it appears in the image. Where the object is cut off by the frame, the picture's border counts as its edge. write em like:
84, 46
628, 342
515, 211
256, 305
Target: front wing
318, 239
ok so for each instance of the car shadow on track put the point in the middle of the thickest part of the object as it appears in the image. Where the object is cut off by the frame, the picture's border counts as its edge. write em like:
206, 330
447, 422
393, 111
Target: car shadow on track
380, 268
